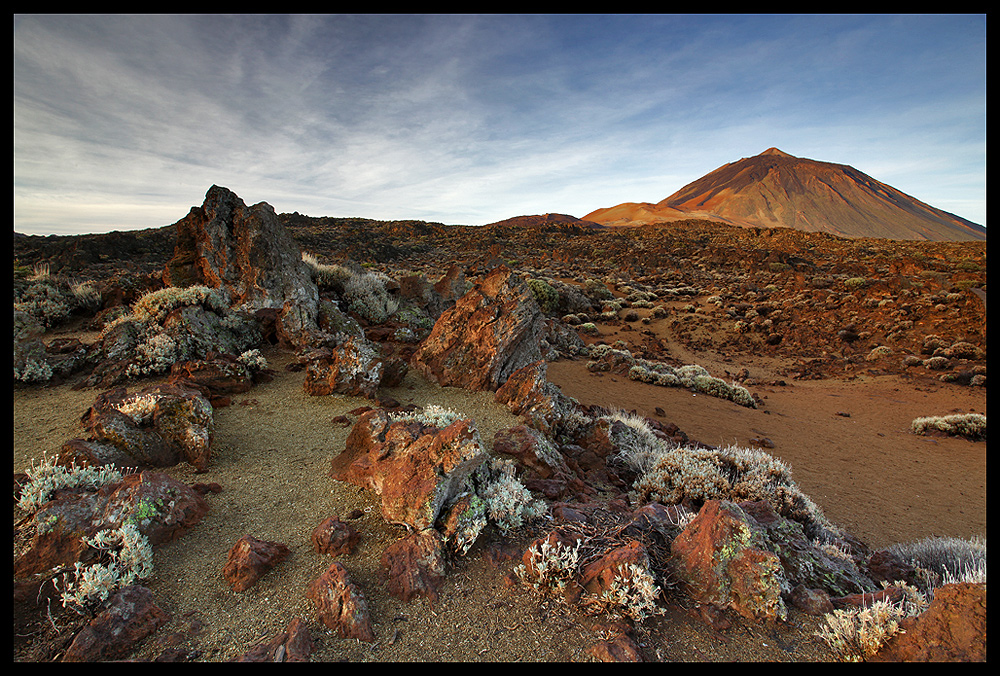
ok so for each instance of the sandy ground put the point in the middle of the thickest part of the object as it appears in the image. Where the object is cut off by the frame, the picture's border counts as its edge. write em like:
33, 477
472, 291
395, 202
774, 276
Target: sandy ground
847, 443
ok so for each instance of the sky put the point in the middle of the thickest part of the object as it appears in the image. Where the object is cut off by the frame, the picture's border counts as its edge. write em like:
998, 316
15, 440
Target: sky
123, 122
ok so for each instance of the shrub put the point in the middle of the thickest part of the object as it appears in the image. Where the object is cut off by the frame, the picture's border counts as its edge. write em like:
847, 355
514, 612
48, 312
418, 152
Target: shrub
366, 295
545, 294
553, 566
969, 425
856, 634
130, 558
949, 559
508, 503
46, 477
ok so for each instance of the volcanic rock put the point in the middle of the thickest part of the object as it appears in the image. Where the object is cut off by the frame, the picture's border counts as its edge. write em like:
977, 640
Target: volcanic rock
131, 615
341, 605
334, 537
414, 566
249, 559
415, 466
493, 330
246, 251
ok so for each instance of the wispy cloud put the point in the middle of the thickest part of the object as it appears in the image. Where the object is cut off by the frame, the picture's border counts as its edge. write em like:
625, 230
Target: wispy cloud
125, 121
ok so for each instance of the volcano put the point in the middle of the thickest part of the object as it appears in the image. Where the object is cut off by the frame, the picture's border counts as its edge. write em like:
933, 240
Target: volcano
778, 190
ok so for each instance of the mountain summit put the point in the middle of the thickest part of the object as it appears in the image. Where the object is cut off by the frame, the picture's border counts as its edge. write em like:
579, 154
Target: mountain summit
778, 190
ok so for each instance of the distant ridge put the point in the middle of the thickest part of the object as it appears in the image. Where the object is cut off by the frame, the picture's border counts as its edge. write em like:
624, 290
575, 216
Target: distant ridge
778, 190
543, 219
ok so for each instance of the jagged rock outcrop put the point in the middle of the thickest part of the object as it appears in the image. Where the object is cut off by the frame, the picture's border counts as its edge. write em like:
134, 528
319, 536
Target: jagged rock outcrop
493, 330
416, 465
224, 244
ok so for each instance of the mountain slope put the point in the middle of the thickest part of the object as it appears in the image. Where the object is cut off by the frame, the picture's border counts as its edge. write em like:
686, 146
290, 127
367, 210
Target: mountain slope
778, 190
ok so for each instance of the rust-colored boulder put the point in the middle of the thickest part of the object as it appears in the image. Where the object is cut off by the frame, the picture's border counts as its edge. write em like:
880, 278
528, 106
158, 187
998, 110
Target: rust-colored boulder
491, 332
417, 463
131, 615
543, 406
341, 605
414, 566
722, 562
334, 537
952, 629
249, 559
533, 451
354, 369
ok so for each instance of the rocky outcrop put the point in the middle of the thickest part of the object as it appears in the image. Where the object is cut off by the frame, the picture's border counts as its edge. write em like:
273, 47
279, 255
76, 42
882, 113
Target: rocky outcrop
528, 393
417, 465
354, 369
493, 330
246, 251
414, 566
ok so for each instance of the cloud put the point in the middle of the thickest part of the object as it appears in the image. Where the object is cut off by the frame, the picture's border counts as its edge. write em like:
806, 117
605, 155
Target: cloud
455, 117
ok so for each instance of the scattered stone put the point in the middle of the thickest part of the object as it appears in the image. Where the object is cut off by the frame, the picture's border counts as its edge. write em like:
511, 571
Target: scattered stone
294, 644
341, 605
249, 559
414, 566
131, 615
334, 537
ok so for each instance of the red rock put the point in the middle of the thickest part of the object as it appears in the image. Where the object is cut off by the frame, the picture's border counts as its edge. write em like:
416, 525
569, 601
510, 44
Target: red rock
952, 629
416, 467
334, 537
249, 559
353, 369
598, 576
720, 562
621, 648
414, 566
542, 404
493, 330
213, 377
294, 644
341, 605
131, 615
532, 450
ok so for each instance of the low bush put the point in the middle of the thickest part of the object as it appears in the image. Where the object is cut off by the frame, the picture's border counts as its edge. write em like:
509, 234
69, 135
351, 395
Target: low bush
972, 426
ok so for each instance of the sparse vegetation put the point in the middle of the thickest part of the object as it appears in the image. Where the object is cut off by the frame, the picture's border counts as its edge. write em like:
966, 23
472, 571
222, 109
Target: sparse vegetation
972, 426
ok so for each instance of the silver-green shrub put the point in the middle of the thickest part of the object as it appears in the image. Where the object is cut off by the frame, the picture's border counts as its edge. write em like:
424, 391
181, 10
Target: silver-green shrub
969, 425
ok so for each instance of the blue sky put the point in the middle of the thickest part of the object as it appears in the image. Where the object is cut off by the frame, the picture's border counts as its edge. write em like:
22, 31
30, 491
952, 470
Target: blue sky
124, 122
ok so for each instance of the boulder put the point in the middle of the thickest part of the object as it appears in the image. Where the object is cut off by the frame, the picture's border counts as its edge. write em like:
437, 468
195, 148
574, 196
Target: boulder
341, 605
417, 463
491, 332
249, 559
156, 426
224, 244
161, 507
333, 536
131, 616
542, 405
952, 629
414, 566
722, 561
353, 369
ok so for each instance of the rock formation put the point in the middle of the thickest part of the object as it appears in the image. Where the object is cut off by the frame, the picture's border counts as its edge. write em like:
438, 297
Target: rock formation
224, 244
493, 330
